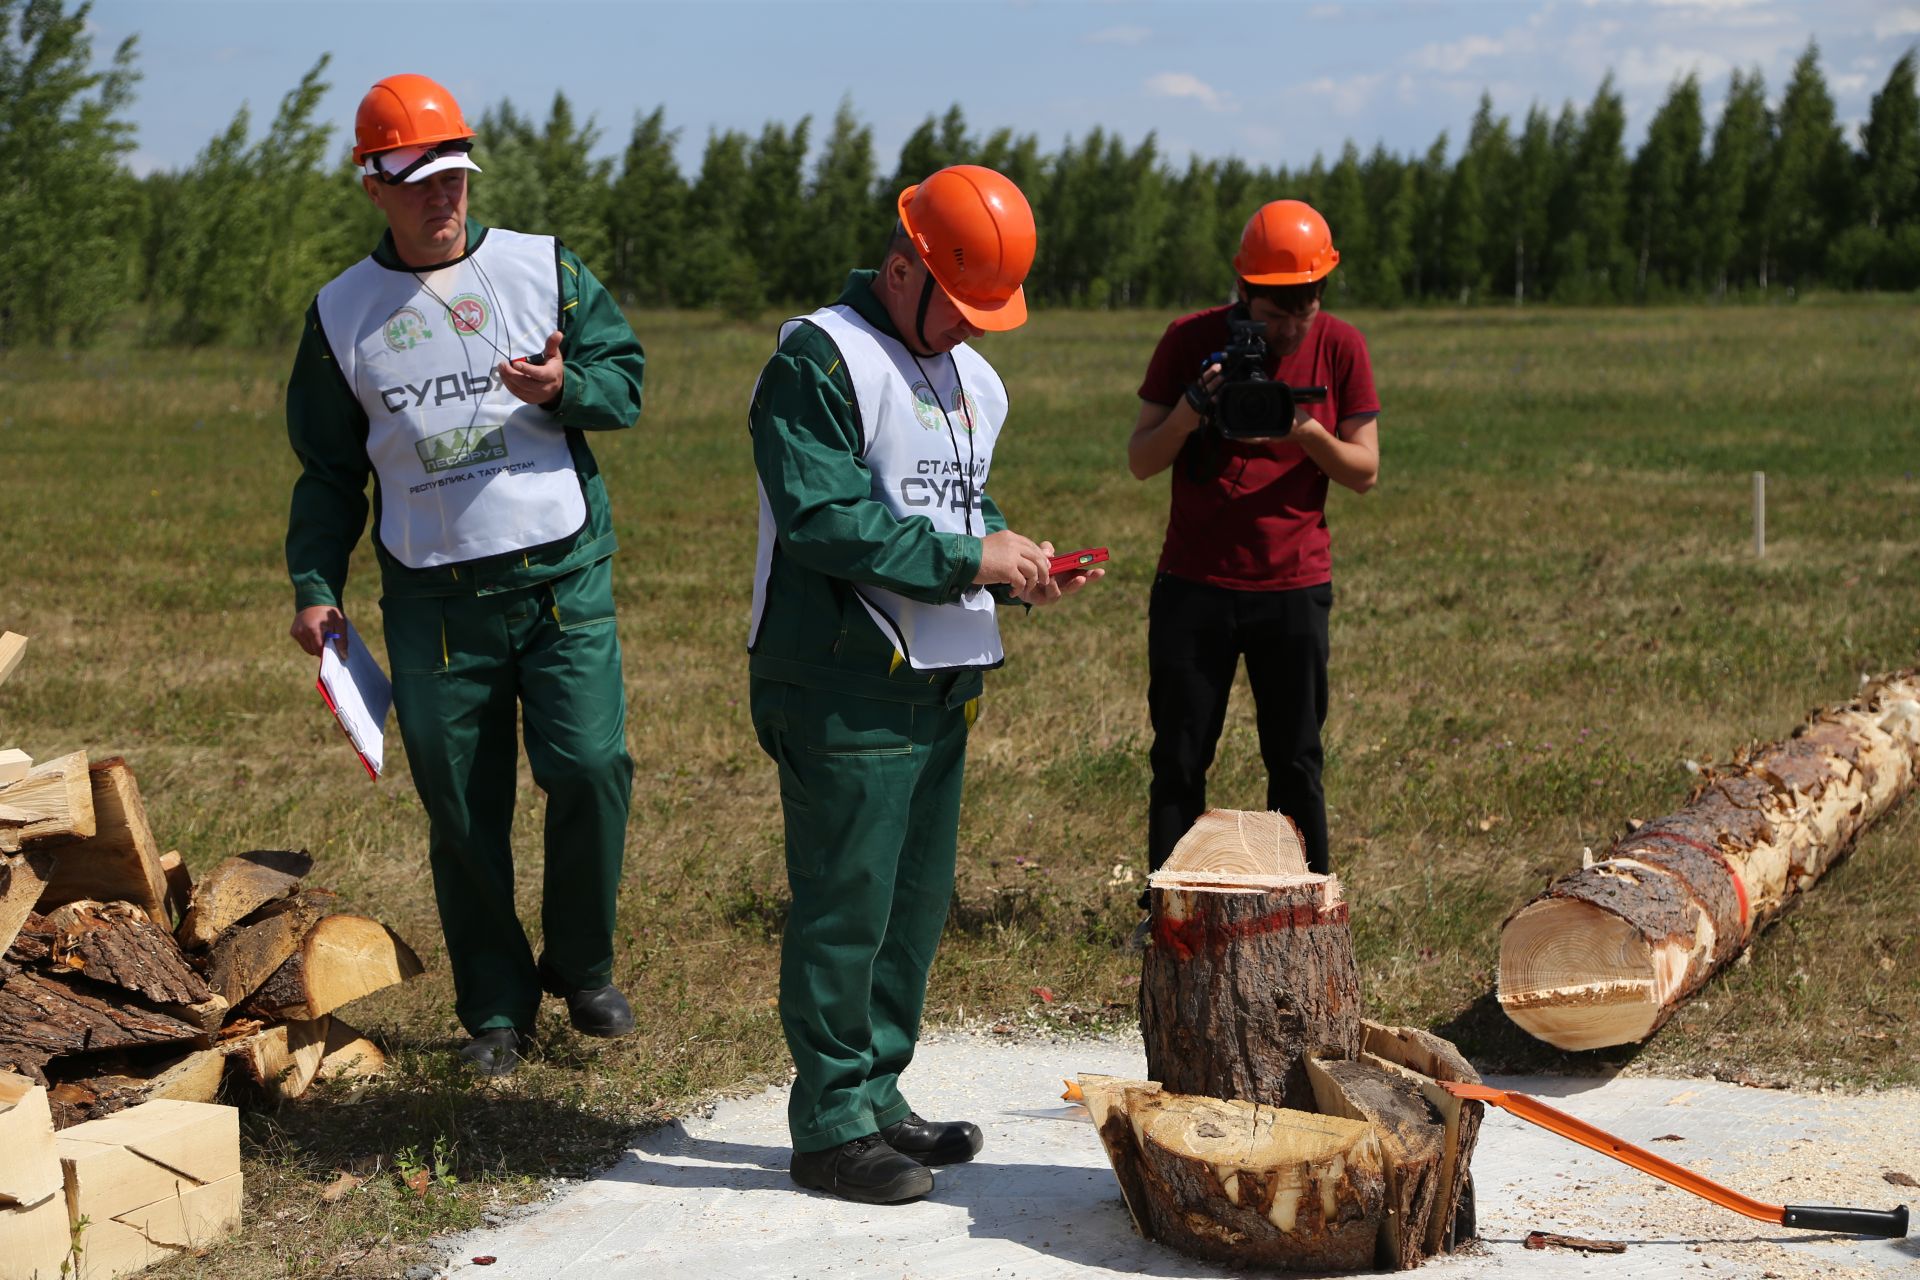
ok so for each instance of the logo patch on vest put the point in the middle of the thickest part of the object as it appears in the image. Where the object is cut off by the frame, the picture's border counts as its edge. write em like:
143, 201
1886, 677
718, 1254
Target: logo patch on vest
461, 447
406, 329
966, 406
468, 311
926, 407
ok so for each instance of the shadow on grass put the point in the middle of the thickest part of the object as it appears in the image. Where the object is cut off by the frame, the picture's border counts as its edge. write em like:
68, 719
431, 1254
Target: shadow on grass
1496, 1045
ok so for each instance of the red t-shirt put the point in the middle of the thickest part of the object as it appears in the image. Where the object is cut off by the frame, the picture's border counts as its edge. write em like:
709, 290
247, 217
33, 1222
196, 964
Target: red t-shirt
1252, 516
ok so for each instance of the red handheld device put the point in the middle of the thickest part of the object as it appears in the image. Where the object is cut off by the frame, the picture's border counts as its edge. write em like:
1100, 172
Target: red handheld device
1076, 560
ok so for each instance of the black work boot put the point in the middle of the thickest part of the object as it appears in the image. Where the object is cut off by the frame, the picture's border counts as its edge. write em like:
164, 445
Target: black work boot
594, 1011
495, 1052
600, 1011
866, 1169
934, 1141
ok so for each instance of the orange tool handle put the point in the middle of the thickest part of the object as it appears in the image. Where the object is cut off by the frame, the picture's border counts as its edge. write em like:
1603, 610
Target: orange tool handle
1889, 1223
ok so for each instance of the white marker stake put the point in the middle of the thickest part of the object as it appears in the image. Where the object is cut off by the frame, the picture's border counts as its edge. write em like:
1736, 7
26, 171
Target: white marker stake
1759, 514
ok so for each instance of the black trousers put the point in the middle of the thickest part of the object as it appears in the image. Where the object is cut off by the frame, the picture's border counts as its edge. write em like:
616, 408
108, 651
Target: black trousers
1196, 636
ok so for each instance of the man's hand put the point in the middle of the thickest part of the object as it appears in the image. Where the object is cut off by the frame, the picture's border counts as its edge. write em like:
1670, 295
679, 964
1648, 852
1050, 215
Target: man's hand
1013, 559
535, 383
1059, 585
314, 625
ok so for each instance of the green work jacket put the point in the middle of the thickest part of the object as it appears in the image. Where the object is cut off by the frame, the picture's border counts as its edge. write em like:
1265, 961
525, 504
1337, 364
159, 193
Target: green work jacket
833, 532
327, 427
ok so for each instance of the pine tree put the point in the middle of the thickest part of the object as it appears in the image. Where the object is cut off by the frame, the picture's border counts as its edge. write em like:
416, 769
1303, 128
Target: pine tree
645, 212
1344, 205
773, 226
711, 270
1812, 177
845, 231
1883, 250
1732, 245
1665, 192
1535, 176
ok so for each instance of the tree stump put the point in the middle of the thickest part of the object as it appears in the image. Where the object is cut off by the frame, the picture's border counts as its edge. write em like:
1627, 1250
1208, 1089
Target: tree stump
1242, 986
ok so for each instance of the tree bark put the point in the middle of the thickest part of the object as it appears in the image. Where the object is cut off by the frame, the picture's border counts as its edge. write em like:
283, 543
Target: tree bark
247, 954
43, 1017
1605, 954
119, 945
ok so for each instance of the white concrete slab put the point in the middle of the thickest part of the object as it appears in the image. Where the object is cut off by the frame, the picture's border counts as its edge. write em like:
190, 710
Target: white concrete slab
711, 1196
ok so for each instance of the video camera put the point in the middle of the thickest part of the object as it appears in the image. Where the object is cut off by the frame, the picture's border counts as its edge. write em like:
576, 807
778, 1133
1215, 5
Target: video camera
1250, 405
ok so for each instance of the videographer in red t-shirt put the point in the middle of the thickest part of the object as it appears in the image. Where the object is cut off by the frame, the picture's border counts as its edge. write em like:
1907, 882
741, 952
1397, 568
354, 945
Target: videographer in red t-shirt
1245, 569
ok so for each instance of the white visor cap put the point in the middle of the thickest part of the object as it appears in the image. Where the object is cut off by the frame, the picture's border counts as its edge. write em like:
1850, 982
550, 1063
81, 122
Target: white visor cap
390, 164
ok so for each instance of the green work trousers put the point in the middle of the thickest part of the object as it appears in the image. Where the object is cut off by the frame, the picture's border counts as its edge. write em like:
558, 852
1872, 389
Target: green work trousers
460, 665
870, 791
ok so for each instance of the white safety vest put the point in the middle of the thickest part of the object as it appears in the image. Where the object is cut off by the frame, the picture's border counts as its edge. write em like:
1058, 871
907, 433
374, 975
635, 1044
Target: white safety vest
928, 429
466, 468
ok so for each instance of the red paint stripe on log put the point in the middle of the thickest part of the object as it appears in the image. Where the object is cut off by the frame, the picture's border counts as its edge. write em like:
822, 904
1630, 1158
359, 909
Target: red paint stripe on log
1739, 885
1185, 938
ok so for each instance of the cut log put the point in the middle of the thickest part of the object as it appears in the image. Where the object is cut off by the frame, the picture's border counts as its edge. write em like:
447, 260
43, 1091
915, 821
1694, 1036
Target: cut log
119, 862
60, 791
119, 945
22, 877
190, 1077
237, 888
1413, 1149
1606, 953
247, 955
349, 1055
341, 959
1240, 1183
179, 884
1241, 986
13, 646
43, 1016
15, 764
1239, 843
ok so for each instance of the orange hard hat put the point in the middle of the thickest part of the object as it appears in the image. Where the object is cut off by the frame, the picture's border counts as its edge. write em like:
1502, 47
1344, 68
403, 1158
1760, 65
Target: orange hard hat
405, 111
974, 231
1286, 242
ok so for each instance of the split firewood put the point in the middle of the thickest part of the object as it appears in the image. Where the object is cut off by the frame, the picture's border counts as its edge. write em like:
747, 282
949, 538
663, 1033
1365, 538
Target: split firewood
29, 1169
283, 1059
22, 878
247, 954
118, 944
15, 764
236, 889
349, 1054
190, 1077
43, 1016
1426, 1059
13, 646
119, 862
1605, 955
341, 959
1413, 1148
179, 884
1240, 1183
60, 792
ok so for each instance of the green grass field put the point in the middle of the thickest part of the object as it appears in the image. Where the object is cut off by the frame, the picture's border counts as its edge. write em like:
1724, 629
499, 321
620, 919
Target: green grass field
1548, 605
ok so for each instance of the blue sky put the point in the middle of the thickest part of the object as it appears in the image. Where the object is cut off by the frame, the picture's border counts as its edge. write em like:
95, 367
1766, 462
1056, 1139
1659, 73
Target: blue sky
1271, 82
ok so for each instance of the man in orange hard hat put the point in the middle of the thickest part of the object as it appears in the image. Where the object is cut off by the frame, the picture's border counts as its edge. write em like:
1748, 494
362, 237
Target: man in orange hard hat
881, 560
1245, 569
458, 368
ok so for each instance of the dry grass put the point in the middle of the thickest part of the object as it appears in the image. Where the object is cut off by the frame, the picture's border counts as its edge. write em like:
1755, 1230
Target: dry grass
1546, 607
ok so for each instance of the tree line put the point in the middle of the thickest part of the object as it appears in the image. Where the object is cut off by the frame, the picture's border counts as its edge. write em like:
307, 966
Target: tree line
1769, 201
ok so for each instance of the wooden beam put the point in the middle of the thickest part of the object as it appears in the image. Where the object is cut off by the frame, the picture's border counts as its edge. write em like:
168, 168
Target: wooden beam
13, 646
179, 884
15, 764
237, 888
60, 791
29, 1169
153, 1181
120, 862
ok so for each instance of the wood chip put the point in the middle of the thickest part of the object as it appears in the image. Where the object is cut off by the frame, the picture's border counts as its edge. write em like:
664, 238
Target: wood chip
1899, 1179
1667, 1137
1548, 1240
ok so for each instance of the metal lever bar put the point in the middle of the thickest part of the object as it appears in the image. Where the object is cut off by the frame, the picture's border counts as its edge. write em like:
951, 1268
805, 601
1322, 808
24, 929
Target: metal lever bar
1891, 1223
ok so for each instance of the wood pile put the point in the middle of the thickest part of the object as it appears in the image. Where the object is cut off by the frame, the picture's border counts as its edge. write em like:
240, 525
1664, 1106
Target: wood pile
1280, 1128
1606, 953
123, 981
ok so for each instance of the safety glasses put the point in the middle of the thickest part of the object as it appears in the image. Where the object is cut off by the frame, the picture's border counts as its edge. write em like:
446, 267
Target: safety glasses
402, 163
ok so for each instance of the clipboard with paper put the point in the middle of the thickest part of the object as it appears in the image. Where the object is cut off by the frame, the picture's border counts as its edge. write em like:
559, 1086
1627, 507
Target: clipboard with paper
359, 694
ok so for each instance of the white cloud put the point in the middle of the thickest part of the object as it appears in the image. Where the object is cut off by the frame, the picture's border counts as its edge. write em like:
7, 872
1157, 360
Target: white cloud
1454, 56
1180, 84
1347, 95
1895, 23
1120, 35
